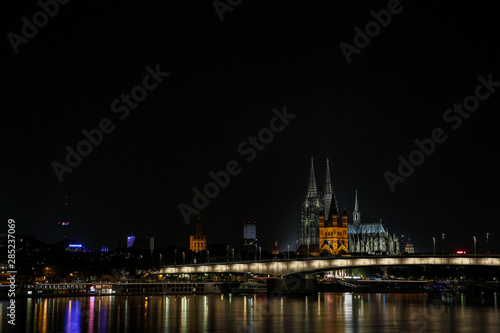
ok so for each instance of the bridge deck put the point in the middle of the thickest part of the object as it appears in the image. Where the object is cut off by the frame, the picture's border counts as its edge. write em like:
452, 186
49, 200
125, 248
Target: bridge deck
285, 267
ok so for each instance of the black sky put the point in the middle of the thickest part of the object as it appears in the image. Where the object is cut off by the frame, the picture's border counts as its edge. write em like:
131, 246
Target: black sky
225, 79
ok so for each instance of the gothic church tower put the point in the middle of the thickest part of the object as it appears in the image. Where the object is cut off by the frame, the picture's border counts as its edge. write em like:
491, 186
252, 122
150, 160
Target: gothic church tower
356, 215
328, 189
311, 208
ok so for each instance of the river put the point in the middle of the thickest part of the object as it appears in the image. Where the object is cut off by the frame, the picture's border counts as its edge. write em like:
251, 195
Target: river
325, 312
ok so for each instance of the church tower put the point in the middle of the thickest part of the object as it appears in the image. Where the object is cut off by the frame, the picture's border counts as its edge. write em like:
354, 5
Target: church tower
328, 189
356, 215
198, 241
344, 220
333, 233
310, 211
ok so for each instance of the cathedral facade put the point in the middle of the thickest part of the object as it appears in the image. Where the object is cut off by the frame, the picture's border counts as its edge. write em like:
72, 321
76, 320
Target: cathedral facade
370, 238
322, 234
331, 233
311, 207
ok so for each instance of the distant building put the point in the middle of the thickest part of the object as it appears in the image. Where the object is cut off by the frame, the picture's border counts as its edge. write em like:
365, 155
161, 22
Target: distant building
409, 247
141, 242
197, 242
76, 247
249, 232
130, 241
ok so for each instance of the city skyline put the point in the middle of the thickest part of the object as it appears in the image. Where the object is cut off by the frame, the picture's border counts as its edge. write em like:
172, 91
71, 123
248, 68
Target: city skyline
243, 102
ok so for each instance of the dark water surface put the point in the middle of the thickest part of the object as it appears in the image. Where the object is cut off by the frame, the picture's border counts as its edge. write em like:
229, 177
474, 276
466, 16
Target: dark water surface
325, 312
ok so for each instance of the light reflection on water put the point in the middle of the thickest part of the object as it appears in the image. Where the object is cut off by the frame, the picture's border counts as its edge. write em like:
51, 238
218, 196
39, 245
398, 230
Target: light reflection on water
326, 312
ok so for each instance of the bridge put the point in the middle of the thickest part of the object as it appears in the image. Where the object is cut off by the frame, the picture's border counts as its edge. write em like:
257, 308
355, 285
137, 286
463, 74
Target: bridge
312, 265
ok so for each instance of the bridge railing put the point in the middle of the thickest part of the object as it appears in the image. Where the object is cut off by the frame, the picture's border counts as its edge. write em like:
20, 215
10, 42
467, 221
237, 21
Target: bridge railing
339, 257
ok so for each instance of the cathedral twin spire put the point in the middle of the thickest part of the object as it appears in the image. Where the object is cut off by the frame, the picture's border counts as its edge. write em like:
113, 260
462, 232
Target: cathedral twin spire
312, 189
315, 204
356, 215
356, 208
328, 182
321, 222
328, 193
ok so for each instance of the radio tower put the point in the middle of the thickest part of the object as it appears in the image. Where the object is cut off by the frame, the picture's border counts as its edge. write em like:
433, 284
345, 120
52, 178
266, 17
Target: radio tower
64, 224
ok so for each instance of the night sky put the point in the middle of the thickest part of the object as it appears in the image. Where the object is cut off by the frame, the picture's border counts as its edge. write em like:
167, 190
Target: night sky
225, 78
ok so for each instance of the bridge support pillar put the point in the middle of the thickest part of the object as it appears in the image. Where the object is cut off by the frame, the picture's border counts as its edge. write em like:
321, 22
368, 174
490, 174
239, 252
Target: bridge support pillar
292, 285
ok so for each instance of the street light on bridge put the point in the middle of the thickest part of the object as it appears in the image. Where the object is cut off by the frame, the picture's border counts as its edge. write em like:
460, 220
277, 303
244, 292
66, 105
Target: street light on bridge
442, 236
487, 247
288, 246
183, 258
434, 244
474, 237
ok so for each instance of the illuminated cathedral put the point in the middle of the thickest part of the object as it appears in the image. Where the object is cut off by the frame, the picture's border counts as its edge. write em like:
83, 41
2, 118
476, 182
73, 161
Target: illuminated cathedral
322, 234
330, 234
370, 238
